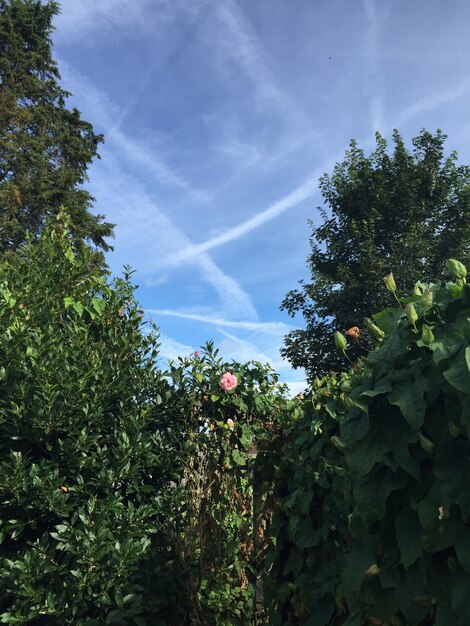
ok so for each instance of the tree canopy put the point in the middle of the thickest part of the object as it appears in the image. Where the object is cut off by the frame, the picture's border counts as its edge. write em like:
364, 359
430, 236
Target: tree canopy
45, 147
405, 211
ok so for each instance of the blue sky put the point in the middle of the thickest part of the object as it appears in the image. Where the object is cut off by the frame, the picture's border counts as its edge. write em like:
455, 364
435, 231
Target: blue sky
220, 116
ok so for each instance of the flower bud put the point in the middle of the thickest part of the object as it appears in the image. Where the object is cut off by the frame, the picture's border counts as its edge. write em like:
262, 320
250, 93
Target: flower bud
390, 282
456, 269
338, 443
373, 570
373, 328
426, 444
426, 299
417, 290
427, 337
340, 341
411, 313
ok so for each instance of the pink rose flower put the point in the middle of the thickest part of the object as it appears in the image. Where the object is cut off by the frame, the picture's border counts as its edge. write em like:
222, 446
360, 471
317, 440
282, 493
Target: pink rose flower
228, 381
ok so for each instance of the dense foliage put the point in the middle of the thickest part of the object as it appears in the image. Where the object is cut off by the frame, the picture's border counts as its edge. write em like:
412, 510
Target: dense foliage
387, 451
310, 520
81, 457
218, 523
199, 494
126, 491
405, 211
45, 148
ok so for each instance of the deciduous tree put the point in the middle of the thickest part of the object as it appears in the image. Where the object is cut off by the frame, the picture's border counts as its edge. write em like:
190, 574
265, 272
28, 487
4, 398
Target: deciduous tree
405, 211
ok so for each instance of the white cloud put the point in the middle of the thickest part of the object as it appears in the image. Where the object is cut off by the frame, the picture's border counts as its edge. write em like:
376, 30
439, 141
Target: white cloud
433, 101
240, 153
242, 350
234, 43
104, 113
142, 227
144, 233
79, 19
273, 328
296, 386
301, 193
373, 80
170, 349
238, 42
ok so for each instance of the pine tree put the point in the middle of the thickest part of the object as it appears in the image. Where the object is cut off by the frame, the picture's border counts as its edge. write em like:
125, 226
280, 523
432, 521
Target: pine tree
45, 147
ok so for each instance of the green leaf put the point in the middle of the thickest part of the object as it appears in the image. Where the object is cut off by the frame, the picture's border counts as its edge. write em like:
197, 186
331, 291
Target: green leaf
357, 563
382, 359
462, 547
387, 318
78, 306
452, 471
372, 491
114, 617
294, 562
408, 395
246, 438
383, 385
354, 426
306, 536
408, 534
367, 452
459, 586
458, 375
448, 340
239, 457
98, 304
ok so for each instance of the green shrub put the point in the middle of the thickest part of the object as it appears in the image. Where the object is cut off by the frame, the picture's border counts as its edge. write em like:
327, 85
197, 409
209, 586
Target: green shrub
408, 447
399, 438
217, 526
310, 521
81, 460
130, 495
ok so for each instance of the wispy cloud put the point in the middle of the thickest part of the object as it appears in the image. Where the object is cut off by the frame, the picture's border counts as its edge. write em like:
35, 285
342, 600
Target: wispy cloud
141, 223
141, 155
104, 113
239, 44
272, 328
433, 101
243, 350
171, 349
229, 33
242, 154
301, 193
81, 18
144, 232
373, 79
